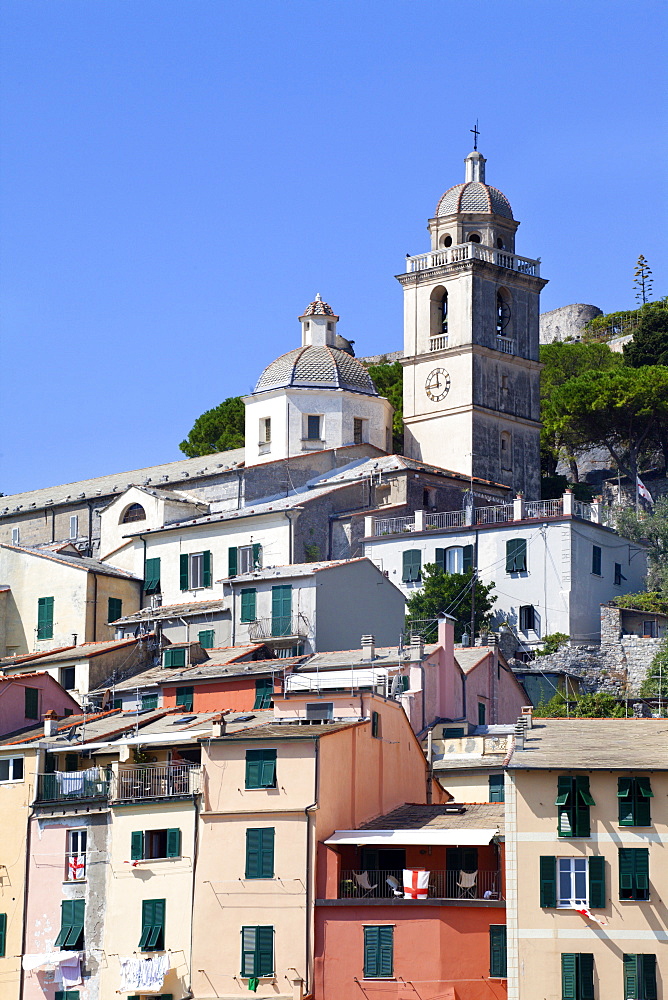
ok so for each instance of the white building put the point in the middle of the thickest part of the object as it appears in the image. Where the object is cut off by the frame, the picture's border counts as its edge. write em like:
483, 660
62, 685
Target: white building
552, 562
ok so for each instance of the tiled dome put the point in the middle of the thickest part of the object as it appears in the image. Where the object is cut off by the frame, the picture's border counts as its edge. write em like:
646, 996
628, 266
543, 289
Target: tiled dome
474, 196
318, 308
316, 368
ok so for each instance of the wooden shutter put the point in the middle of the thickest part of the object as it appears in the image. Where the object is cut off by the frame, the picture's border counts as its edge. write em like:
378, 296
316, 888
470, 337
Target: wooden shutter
206, 638
281, 610
157, 932
257, 556
264, 689
114, 609
497, 950
375, 724
248, 935
412, 564
597, 893
184, 698
174, 843
586, 976
183, 571
569, 986
626, 873
630, 977
268, 774
65, 923
647, 976
439, 559
253, 768
582, 801
232, 559
45, 618
596, 560
371, 943
175, 657
548, 882
467, 559
641, 872
643, 793
264, 951
72, 923
152, 575
625, 800
248, 598
385, 951
206, 569
496, 788
31, 703
137, 845
260, 853
564, 803
3, 934
511, 545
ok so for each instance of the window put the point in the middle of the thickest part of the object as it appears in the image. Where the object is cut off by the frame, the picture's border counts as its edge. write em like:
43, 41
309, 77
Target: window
75, 859
649, 630
496, 788
264, 692
135, 512
74, 526
115, 609
148, 845
67, 995
265, 430
243, 559
577, 976
456, 559
185, 698
506, 451
499, 243
504, 388
67, 677
71, 933
313, 428
443, 314
207, 638
174, 656
482, 714
257, 951
152, 576
260, 852
152, 925
446, 241
3, 934
31, 698
260, 769
502, 314
516, 555
375, 725
358, 430
474, 237
319, 711
378, 952
16, 536
497, 951
248, 605
619, 576
195, 570
596, 560
581, 882
573, 799
149, 702
640, 977
281, 610
412, 564
45, 618
527, 618
11, 769
634, 805
634, 873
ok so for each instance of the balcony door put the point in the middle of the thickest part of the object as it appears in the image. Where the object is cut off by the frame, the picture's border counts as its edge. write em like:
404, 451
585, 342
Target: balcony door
281, 611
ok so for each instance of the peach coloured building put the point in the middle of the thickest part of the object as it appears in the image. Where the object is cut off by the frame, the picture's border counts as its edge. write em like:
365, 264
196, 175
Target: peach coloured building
26, 698
271, 795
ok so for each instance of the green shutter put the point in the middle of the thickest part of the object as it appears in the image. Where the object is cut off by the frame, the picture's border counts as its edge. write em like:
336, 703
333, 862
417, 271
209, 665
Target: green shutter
174, 843
647, 976
586, 976
206, 638
482, 713
264, 951
583, 800
641, 872
72, 924
510, 555
114, 609
625, 797
137, 845
596, 560
45, 618
248, 598
281, 610
31, 703
260, 769
385, 951
439, 559
496, 788
264, 690
232, 561
152, 925
207, 577
248, 936
257, 556
185, 698
412, 565
548, 882
74, 995
375, 724
183, 571
597, 893
152, 575
174, 657
497, 950
269, 769
630, 977
3, 934
643, 793
149, 702
371, 952
569, 976
516, 555
260, 853
467, 558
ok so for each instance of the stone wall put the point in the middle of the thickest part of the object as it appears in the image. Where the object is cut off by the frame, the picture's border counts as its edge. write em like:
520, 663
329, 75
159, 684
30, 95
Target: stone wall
567, 321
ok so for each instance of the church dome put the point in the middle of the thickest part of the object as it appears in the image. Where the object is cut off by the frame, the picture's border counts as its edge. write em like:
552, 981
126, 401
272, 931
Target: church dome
474, 196
318, 308
316, 367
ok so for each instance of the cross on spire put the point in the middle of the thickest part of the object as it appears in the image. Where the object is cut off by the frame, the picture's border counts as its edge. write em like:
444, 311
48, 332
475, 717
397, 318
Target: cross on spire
476, 133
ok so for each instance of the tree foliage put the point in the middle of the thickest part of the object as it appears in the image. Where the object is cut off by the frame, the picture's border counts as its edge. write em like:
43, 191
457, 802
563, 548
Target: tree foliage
650, 338
552, 642
642, 279
389, 381
449, 593
588, 706
219, 429
655, 683
651, 601
650, 527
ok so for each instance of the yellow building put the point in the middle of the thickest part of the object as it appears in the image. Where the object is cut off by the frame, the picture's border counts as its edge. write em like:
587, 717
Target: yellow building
586, 879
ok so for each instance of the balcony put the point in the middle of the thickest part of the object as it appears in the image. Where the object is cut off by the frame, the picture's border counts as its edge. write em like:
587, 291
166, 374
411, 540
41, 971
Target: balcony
287, 628
473, 251
73, 786
157, 781
443, 884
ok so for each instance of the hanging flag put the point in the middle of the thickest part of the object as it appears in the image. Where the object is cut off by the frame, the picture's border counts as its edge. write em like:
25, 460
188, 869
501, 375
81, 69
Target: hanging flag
585, 912
643, 491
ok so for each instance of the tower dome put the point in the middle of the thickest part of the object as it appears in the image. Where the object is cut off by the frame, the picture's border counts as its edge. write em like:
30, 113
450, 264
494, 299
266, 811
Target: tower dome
474, 195
316, 367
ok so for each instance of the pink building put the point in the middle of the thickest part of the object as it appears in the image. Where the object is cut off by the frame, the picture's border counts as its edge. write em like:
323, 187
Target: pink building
26, 698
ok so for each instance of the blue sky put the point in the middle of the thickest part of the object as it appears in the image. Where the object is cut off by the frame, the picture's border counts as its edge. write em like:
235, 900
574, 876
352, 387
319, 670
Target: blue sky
180, 177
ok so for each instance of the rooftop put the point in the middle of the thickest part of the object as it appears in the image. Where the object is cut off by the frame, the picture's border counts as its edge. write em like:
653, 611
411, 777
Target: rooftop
450, 816
84, 651
293, 731
74, 561
594, 744
209, 670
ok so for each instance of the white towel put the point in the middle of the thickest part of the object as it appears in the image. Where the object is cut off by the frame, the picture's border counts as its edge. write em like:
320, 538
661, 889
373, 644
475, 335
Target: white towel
145, 974
68, 972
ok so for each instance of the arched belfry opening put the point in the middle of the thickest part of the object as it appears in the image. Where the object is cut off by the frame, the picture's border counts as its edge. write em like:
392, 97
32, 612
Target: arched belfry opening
503, 313
439, 312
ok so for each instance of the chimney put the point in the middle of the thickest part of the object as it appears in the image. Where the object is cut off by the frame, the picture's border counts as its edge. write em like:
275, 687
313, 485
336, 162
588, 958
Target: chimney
416, 649
368, 647
527, 715
50, 723
74, 638
520, 733
219, 725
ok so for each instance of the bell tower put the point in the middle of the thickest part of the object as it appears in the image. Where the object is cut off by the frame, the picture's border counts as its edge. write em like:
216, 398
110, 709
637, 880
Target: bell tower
471, 367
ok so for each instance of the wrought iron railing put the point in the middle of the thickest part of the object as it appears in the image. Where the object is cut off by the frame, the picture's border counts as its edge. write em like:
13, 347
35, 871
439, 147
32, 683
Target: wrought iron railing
393, 525
279, 627
494, 515
64, 786
157, 781
443, 884
543, 508
446, 519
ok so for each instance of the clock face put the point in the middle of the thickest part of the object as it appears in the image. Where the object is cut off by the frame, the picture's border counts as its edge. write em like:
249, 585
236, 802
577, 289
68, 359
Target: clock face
437, 385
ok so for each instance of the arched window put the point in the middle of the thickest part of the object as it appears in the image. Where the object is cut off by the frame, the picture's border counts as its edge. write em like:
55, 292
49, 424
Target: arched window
135, 512
443, 317
474, 237
500, 244
506, 447
502, 314
438, 324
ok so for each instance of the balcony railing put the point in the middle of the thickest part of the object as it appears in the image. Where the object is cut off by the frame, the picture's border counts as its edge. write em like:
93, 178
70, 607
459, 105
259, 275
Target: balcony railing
505, 344
279, 627
442, 885
157, 781
65, 786
393, 525
473, 251
446, 519
439, 343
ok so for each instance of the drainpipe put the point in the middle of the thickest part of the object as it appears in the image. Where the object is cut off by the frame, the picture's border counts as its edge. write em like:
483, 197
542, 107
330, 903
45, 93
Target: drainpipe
53, 537
94, 607
194, 867
26, 877
430, 769
90, 527
309, 836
